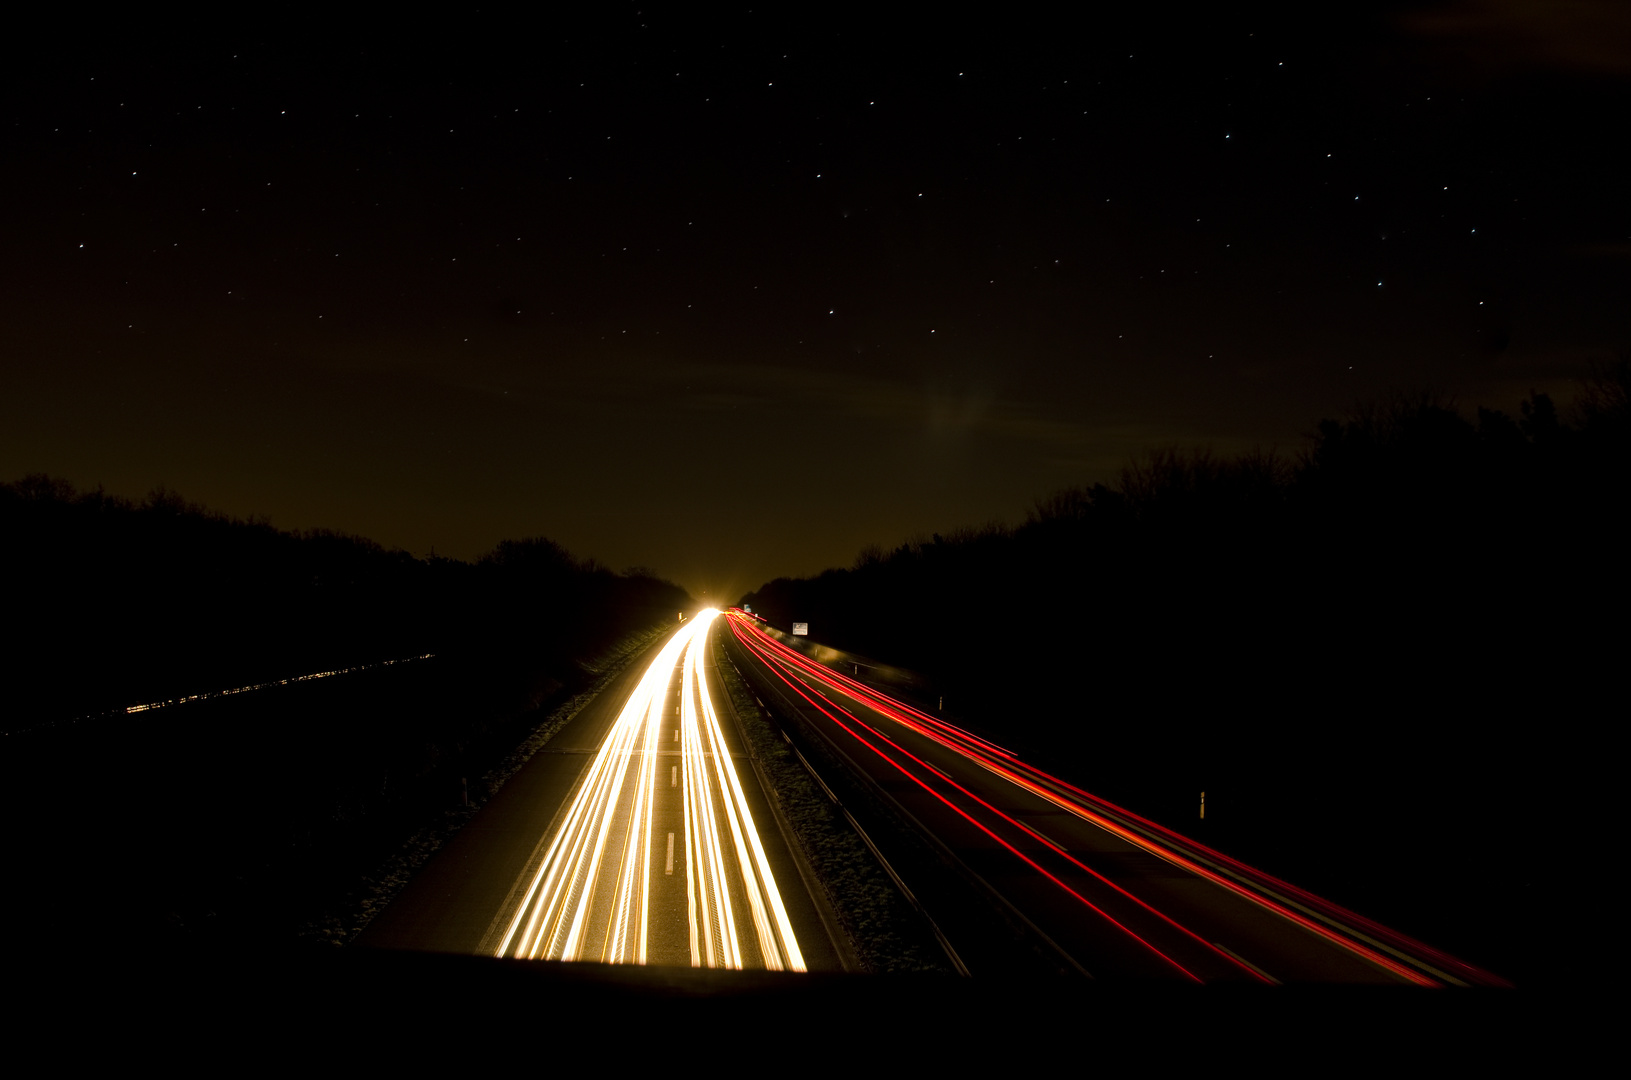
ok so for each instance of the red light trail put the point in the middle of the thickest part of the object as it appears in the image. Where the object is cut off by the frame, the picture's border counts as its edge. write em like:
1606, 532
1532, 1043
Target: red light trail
1364, 939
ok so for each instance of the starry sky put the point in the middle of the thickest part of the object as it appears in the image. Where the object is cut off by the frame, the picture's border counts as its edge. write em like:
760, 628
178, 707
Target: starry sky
733, 295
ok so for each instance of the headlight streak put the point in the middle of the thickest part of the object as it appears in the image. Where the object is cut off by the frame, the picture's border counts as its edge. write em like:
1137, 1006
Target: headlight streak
1372, 942
708, 903
774, 931
591, 896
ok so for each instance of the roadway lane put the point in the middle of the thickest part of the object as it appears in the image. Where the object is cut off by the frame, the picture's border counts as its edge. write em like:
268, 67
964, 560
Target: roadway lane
661, 791
639, 834
1112, 894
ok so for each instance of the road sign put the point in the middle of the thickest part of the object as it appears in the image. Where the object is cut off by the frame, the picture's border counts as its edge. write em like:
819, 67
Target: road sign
801, 629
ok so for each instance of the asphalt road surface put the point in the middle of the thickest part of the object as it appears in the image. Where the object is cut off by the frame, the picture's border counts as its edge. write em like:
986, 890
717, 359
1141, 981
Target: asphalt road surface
639, 834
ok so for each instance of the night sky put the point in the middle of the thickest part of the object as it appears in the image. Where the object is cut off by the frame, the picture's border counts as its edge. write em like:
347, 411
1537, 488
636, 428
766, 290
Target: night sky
733, 296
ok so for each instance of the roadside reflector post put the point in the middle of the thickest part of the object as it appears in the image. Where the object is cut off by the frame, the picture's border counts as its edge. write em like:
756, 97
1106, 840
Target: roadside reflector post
942, 702
1203, 806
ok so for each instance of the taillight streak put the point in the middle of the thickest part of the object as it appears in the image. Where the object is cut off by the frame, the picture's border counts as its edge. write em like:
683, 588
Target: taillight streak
876, 702
1009, 767
1032, 863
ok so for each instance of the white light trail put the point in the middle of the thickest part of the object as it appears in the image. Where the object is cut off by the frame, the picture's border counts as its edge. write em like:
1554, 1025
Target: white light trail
592, 897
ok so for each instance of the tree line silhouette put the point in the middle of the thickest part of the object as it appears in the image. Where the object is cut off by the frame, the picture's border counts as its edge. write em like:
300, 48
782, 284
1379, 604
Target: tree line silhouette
1401, 519
1397, 628
235, 821
121, 601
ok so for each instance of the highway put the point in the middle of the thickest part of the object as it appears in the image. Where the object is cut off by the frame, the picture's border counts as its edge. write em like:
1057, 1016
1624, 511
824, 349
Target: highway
639, 834
657, 859
1097, 889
